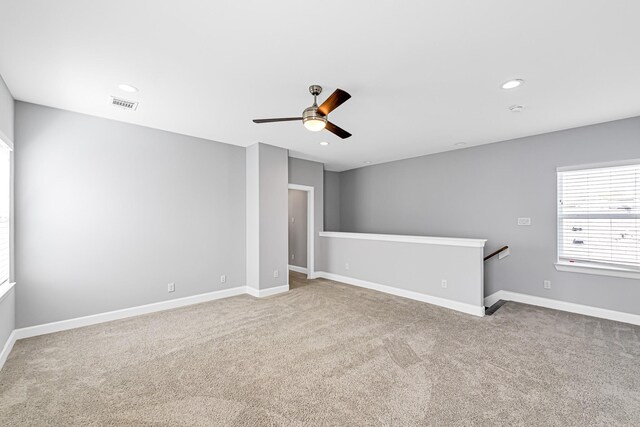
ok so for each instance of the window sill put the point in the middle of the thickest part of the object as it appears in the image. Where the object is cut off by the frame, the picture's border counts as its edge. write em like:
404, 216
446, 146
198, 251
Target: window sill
599, 271
5, 288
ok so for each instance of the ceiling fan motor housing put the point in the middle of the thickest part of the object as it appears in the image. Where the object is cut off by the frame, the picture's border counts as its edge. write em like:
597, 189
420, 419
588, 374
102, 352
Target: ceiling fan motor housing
311, 113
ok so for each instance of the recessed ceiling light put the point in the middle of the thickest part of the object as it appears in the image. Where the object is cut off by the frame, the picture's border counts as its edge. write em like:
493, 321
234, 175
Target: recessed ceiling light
460, 144
512, 84
516, 108
324, 143
128, 88
367, 162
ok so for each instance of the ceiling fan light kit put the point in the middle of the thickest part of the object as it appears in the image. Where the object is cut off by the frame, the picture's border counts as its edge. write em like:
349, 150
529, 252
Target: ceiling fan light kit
314, 118
314, 124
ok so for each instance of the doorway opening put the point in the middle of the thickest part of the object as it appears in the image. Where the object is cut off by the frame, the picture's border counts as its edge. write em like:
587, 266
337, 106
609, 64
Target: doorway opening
301, 229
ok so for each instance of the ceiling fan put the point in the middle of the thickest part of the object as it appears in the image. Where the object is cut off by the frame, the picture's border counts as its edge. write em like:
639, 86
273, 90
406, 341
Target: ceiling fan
314, 118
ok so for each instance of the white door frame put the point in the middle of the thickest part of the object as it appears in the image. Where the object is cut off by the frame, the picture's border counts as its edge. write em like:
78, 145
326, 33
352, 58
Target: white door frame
310, 226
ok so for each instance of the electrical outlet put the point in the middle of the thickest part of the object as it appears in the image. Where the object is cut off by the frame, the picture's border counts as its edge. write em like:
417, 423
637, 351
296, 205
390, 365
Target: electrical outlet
346, 266
223, 278
293, 256
293, 220
444, 284
276, 273
524, 221
171, 287
547, 284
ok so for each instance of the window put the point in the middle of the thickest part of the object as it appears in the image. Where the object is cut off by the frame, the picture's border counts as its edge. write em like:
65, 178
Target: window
599, 219
5, 199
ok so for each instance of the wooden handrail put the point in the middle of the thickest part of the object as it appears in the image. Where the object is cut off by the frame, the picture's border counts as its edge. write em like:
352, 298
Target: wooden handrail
504, 248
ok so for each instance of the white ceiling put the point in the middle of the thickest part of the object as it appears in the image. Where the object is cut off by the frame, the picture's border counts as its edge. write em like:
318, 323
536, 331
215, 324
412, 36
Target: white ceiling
423, 75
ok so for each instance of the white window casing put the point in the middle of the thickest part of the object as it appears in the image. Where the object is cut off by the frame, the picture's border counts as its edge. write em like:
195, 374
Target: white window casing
599, 219
5, 209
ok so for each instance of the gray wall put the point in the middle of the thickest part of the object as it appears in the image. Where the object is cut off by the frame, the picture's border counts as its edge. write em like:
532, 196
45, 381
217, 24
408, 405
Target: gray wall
110, 213
480, 192
252, 204
273, 216
410, 266
331, 201
305, 172
298, 228
7, 304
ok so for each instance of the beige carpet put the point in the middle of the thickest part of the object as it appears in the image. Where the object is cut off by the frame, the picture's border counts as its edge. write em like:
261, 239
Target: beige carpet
328, 354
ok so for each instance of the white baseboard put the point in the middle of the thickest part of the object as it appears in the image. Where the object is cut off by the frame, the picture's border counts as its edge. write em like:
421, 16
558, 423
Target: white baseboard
298, 269
260, 293
7, 348
586, 310
79, 322
442, 302
493, 298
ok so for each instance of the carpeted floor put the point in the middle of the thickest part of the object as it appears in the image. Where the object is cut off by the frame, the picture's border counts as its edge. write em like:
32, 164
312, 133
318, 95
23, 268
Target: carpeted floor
328, 354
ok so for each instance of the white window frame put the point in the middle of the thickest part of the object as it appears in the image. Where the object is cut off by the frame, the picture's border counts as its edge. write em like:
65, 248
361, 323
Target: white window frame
6, 286
586, 267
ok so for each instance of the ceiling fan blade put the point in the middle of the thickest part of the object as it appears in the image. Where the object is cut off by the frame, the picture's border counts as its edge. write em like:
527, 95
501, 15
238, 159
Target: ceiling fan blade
282, 119
336, 130
333, 101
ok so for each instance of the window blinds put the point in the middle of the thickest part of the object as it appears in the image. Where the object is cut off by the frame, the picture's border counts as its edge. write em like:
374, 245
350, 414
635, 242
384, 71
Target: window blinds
5, 195
599, 216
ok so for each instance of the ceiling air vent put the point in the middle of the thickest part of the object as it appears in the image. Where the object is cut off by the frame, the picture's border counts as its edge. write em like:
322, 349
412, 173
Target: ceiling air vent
123, 103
